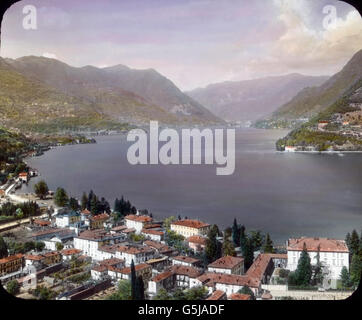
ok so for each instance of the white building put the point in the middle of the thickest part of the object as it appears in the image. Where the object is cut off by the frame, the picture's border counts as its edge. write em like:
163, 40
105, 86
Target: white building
66, 219
333, 254
228, 265
188, 228
185, 261
91, 240
154, 235
137, 254
137, 222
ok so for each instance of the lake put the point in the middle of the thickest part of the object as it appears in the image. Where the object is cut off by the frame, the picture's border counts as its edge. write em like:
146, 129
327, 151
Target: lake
285, 194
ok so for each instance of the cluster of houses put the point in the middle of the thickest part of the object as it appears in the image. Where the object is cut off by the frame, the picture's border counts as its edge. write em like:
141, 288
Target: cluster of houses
111, 249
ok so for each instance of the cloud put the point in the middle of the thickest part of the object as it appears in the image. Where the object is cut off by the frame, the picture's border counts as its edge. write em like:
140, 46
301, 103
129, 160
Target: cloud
49, 55
307, 48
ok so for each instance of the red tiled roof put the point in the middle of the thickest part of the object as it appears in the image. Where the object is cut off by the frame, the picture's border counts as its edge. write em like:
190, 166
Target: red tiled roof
324, 244
162, 276
69, 252
11, 258
134, 217
102, 216
211, 278
85, 212
137, 267
197, 239
196, 224
226, 262
100, 268
259, 266
42, 222
239, 296
217, 295
186, 259
134, 250
186, 271
154, 232
111, 262
119, 228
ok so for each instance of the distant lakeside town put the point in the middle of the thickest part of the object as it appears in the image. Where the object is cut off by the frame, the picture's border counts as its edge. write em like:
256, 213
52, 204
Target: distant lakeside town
57, 247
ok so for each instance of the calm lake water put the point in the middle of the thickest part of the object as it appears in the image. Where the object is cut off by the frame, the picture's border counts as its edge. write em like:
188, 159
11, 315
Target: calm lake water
284, 194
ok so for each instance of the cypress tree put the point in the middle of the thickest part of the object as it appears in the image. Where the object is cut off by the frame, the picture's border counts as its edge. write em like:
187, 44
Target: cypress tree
243, 238
140, 291
248, 253
268, 245
356, 269
133, 282
354, 243
236, 233
84, 201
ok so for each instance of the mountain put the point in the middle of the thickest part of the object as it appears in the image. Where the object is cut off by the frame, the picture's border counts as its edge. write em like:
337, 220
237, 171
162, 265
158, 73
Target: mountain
252, 99
32, 105
124, 94
310, 101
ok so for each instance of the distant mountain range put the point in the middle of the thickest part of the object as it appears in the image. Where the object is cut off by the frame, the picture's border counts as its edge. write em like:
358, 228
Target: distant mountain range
41, 93
252, 99
311, 101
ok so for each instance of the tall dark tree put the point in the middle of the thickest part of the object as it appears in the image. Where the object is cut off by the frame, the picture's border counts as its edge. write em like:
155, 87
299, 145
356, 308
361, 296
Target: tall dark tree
84, 201
117, 206
248, 253
243, 238
94, 205
73, 204
356, 269
236, 233
257, 238
354, 243
303, 274
91, 195
213, 247
3, 248
268, 244
140, 289
133, 281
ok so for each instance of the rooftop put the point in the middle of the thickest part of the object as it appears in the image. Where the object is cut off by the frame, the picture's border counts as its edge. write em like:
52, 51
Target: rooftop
196, 224
217, 295
11, 258
197, 239
154, 232
186, 271
127, 270
239, 296
134, 217
211, 278
226, 262
186, 259
313, 244
70, 252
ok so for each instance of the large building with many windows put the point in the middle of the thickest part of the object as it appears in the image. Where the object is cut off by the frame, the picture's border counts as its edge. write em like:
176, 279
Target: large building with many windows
333, 254
189, 228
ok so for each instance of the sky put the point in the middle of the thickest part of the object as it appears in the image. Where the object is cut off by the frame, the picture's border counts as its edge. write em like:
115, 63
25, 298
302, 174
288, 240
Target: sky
192, 42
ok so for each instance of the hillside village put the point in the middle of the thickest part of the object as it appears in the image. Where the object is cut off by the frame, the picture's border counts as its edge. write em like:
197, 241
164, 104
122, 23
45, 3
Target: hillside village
83, 254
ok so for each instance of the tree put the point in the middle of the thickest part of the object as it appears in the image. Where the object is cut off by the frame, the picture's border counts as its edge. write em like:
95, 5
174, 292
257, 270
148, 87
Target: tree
356, 269
167, 222
61, 197
94, 205
242, 238
84, 201
248, 253
13, 287
228, 248
123, 291
140, 289
3, 248
133, 281
257, 239
236, 233
268, 245
41, 189
303, 273
345, 278
247, 290
354, 243
162, 294
212, 248
73, 204
59, 246
196, 293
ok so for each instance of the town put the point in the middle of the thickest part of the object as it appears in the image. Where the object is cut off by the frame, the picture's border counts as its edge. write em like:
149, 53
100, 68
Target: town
77, 250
